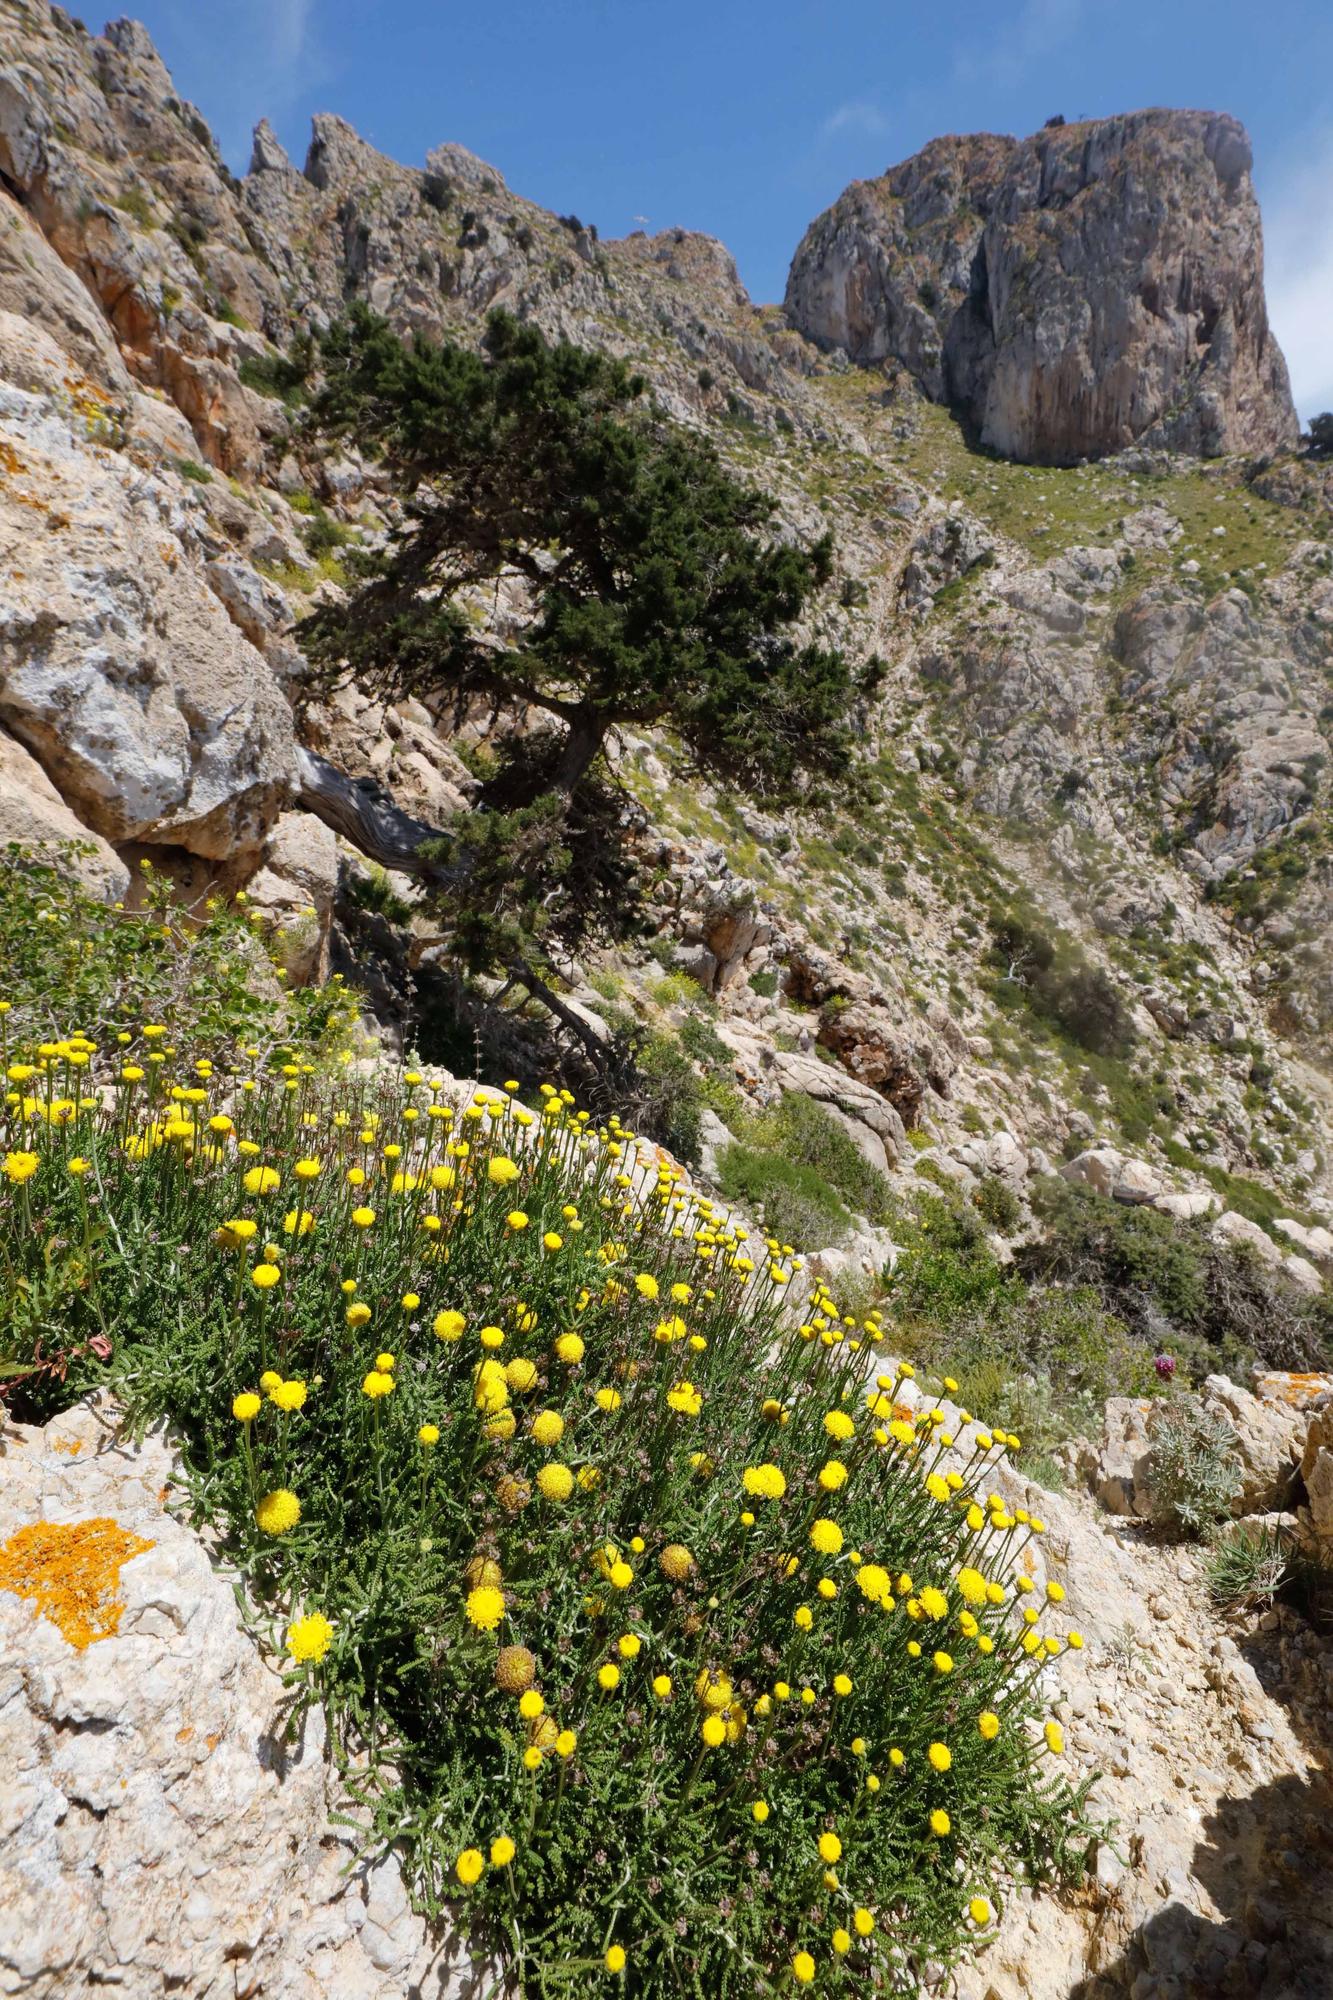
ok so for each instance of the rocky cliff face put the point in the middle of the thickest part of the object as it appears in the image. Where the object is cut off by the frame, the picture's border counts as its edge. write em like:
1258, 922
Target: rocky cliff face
1107, 687
1093, 286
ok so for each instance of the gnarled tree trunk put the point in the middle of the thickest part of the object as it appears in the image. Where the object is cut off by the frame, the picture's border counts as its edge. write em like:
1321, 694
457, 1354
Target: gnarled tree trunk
376, 827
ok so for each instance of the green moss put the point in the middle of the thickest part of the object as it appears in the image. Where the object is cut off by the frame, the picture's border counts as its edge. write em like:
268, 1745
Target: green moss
135, 203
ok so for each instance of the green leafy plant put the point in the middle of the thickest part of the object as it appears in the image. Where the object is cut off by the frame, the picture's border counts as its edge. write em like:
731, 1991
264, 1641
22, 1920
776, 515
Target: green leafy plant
281, 376
796, 1202
1223, 1303
798, 1128
998, 1205
1050, 975
1195, 1473
665, 1646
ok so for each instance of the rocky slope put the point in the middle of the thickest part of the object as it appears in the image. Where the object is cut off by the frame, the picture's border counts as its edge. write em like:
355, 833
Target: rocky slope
1107, 699
1105, 720
1095, 286
167, 1831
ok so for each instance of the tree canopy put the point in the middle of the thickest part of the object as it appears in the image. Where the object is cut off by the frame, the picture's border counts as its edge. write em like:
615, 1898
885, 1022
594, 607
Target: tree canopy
649, 585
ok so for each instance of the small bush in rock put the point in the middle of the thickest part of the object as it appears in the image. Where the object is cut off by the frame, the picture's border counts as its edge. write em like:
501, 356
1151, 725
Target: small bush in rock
1195, 1468
1246, 1566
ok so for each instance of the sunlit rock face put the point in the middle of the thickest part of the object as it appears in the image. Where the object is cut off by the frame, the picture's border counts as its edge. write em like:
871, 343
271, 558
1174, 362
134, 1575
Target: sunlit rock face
1091, 287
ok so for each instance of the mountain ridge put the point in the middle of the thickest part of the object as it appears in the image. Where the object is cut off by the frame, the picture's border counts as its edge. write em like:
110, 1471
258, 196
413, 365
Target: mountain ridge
1122, 667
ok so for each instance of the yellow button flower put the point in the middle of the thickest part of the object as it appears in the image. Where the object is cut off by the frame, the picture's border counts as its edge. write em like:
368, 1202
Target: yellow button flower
278, 1512
309, 1638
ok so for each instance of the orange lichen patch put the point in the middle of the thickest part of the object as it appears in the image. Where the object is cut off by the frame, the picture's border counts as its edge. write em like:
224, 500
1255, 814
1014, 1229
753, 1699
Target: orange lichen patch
1295, 1390
71, 1446
71, 1571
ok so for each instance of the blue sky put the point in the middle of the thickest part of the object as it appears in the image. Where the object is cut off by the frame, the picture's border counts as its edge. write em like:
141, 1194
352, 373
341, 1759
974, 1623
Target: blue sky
745, 119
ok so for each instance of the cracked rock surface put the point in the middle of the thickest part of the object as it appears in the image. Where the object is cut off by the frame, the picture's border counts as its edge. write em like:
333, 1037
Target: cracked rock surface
158, 1833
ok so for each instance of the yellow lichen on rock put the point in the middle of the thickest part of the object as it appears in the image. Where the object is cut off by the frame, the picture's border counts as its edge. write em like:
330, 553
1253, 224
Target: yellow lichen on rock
71, 1571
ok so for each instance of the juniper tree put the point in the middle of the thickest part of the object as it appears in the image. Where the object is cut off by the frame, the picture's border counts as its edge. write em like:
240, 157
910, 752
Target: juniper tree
653, 590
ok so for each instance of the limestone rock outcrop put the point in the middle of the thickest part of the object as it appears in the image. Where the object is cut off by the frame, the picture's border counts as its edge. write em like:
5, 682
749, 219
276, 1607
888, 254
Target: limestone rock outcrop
120, 670
33, 814
163, 1830
1067, 295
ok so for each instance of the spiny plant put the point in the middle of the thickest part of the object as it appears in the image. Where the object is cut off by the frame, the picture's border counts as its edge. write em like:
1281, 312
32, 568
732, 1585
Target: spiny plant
692, 1649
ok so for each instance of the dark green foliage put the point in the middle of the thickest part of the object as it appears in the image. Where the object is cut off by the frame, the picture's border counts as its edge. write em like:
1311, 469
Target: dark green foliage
658, 596
1321, 434
532, 869
1216, 1302
1042, 1359
1052, 977
798, 1205
374, 891
665, 1098
281, 376
804, 1131
701, 1040
998, 1205
947, 1267
321, 533
806, 1172
1131, 1253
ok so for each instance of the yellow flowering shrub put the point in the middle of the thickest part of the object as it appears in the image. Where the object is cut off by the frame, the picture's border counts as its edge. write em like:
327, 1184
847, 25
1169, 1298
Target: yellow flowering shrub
637, 1648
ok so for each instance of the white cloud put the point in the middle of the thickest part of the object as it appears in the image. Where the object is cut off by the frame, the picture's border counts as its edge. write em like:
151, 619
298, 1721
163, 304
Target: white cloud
1041, 26
220, 71
289, 29
859, 115
1298, 267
